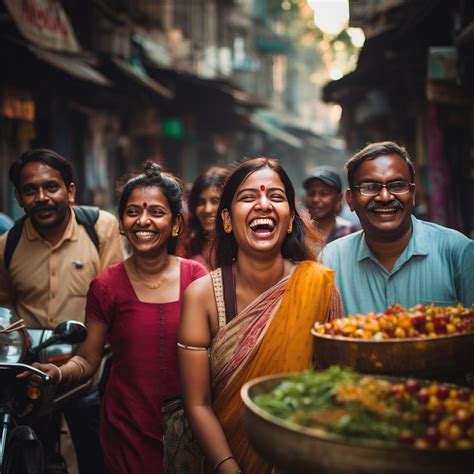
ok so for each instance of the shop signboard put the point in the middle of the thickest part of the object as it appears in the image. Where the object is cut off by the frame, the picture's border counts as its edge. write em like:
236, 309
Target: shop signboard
17, 104
44, 23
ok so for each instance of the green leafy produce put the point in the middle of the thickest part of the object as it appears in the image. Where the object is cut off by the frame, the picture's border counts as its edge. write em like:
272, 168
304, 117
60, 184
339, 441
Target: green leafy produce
354, 406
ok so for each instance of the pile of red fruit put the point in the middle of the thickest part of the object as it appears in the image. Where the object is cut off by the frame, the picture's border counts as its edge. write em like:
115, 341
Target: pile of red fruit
442, 415
398, 322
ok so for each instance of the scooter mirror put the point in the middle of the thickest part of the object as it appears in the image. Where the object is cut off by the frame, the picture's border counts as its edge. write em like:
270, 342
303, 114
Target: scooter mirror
71, 332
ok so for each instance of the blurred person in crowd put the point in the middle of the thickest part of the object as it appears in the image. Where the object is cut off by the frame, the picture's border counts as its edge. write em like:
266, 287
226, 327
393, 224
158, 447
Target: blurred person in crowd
396, 258
136, 305
203, 201
47, 261
324, 201
251, 316
5, 223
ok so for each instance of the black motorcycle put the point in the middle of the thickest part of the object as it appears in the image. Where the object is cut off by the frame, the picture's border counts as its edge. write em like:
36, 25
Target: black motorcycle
22, 407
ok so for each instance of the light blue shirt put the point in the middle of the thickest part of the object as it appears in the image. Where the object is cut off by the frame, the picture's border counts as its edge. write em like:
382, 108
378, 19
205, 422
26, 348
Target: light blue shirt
437, 267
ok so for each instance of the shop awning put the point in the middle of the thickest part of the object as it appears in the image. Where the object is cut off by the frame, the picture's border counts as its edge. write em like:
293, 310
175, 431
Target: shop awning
239, 96
142, 78
276, 133
72, 65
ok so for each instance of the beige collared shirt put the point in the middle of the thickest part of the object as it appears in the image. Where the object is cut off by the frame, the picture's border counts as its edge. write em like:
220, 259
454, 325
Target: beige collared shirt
48, 284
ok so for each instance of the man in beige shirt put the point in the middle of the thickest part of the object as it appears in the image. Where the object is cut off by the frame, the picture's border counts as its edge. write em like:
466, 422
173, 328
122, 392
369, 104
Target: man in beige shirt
55, 259
46, 278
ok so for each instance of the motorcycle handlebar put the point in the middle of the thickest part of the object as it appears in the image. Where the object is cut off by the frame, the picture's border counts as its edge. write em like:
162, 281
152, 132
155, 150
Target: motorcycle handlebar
19, 367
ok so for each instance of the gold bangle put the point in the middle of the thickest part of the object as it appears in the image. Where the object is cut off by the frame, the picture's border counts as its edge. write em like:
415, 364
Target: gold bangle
69, 379
191, 348
222, 461
60, 378
81, 367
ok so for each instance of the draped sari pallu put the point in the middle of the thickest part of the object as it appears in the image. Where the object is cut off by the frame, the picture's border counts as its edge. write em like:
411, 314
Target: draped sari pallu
272, 335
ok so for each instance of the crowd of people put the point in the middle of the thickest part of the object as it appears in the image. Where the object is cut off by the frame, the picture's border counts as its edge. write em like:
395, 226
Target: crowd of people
208, 301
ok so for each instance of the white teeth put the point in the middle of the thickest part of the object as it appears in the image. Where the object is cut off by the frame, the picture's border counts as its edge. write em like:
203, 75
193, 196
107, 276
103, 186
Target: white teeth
144, 234
390, 210
262, 221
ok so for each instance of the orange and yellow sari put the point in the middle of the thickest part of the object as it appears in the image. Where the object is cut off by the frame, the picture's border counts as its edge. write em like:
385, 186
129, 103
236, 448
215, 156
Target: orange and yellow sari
272, 335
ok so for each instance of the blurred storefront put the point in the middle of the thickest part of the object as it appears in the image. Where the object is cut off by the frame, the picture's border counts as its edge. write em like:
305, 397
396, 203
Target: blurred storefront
109, 84
413, 84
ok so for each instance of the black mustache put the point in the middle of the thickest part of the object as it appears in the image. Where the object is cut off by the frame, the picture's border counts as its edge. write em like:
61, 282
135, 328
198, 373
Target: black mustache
395, 204
40, 208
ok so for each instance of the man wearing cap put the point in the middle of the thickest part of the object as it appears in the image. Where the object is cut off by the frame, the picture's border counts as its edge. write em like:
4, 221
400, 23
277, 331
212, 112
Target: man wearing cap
323, 201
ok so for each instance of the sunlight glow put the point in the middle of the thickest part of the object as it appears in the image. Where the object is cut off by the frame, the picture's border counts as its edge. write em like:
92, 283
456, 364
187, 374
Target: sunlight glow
335, 74
331, 16
357, 36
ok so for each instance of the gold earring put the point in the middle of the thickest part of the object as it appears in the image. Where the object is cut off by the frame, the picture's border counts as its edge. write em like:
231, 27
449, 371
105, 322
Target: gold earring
290, 228
227, 228
175, 233
121, 231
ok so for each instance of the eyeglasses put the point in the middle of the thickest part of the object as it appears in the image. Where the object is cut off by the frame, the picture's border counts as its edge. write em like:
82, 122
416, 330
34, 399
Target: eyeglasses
373, 189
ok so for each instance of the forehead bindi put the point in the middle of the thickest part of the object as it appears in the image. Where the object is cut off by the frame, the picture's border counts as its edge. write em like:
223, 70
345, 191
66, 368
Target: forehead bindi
147, 197
262, 180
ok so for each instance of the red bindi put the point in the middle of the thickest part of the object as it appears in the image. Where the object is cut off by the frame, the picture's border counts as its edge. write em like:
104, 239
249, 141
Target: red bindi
262, 187
145, 205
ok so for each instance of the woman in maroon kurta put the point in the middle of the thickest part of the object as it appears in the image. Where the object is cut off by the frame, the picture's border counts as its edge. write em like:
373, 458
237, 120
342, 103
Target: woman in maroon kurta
144, 370
136, 306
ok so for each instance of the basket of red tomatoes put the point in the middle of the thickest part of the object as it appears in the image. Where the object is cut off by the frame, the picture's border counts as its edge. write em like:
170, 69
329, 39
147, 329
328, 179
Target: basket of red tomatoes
425, 340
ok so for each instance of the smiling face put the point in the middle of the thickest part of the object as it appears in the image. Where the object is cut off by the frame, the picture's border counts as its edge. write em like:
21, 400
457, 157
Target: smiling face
44, 196
322, 200
260, 213
384, 216
206, 208
147, 221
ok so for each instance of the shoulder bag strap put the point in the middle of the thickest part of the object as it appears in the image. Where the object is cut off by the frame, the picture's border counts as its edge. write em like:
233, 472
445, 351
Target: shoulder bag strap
216, 278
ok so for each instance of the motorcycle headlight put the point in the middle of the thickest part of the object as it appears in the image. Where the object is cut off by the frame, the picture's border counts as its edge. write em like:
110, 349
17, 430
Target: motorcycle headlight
13, 343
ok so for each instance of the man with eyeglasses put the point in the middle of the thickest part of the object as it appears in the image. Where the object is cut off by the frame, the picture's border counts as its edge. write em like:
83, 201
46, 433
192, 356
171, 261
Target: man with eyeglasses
396, 258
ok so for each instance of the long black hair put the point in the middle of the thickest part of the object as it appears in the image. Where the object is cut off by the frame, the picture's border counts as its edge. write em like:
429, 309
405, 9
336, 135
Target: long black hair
297, 246
169, 184
196, 237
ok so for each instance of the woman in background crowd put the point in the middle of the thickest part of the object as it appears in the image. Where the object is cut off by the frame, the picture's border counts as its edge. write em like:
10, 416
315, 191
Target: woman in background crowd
253, 315
203, 201
136, 305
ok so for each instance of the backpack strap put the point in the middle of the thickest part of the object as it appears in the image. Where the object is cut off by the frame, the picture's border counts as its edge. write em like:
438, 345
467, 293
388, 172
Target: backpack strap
87, 216
13, 238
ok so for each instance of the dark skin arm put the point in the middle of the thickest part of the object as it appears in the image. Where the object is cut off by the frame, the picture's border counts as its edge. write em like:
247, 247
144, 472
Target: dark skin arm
198, 325
88, 355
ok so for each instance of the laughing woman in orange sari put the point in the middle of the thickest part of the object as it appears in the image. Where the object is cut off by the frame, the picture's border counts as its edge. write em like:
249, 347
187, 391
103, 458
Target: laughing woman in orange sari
252, 316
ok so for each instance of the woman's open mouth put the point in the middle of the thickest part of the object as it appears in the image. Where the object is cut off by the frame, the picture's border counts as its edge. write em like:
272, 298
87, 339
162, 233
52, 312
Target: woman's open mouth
144, 235
262, 226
